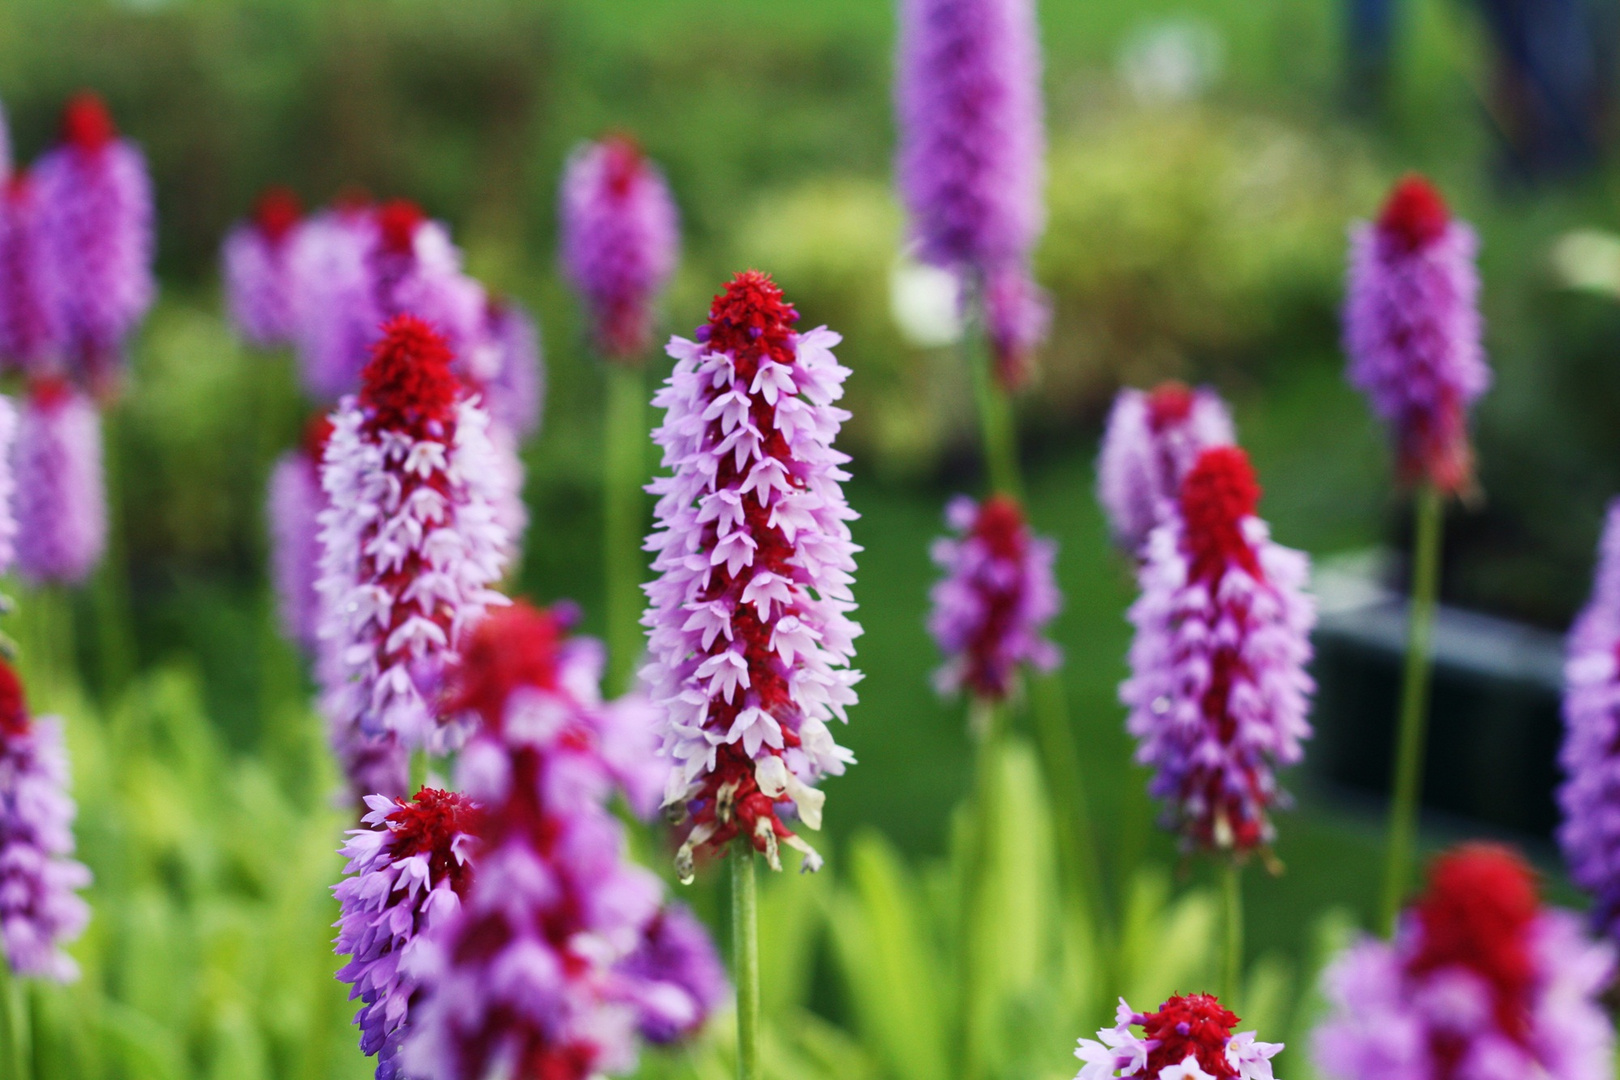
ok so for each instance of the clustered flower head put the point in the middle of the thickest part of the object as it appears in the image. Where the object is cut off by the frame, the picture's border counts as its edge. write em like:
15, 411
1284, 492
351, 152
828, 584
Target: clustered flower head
533, 975
620, 240
1480, 983
991, 609
293, 512
408, 871
750, 638
33, 314
1590, 795
258, 281
1218, 691
1412, 332
1151, 440
60, 501
410, 542
95, 206
40, 910
1189, 1038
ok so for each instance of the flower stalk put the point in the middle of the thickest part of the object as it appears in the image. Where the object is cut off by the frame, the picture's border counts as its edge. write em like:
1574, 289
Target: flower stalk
1232, 910
622, 468
745, 956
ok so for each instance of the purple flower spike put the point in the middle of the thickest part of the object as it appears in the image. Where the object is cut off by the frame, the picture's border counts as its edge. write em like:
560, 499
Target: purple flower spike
96, 208
1590, 834
1152, 439
410, 542
1189, 1038
60, 499
1017, 314
1412, 332
416, 270
620, 241
335, 310
1218, 691
407, 874
40, 910
8, 485
991, 609
971, 130
257, 259
33, 333
679, 976
292, 509
524, 980
1481, 982
750, 638
506, 367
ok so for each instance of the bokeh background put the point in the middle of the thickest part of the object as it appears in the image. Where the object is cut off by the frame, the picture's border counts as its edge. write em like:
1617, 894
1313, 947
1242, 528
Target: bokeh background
1205, 162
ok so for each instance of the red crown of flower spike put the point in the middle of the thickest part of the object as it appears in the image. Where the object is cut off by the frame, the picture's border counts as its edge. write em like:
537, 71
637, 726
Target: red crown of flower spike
749, 319
1169, 403
511, 647
428, 825
1477, 915
407, 384
397, 220
622, 162
86, 123
1193, 1024
276, 211
13, 705
1415, 215
1000, 525
1218, 492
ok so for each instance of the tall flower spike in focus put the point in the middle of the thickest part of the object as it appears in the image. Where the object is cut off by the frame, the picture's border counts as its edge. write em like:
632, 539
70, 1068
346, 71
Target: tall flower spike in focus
293, 513
408, 872
410, 544
1590, 795
60, 502
32, 310
257, 258
620, 240
96, 209
525, 980
750, 638
1188, 1038
1151, 440
1218, 691
40, 910
991, 609
1480, 981
1412, 332
971, 130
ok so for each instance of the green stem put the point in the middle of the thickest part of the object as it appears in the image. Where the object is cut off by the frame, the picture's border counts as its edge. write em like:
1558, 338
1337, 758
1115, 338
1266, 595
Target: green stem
18, 1048
996, 426
986, 721
623, 506
1406, 784
109, 594
745, 957
1232, 901
1060, 759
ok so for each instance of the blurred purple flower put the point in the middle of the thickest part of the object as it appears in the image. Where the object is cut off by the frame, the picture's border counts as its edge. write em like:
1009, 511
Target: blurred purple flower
407, 874
96, 214
971, 130
991, 609
677, 974
8, 485
1152, 439
335, 310
1412, 331
1017, 315
257, 258
620, 240
1480, 983
32, 329
1218, 691
40, 910
507, 369
60, 503
292, 509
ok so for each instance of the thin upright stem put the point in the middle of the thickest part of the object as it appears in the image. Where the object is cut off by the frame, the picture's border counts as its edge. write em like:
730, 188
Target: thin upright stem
745, 957
996, 427
986, 722
17, 1052
1406, 783
1060, 758
1232, 954
624, 453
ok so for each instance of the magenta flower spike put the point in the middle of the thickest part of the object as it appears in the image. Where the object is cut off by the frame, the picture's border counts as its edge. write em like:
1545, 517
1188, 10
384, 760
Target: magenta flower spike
678, 976
257, 268
408, 872
60, 501
1017, 314
96, 217
33, 330
507, 368
1218, 691
416, 270
336, 314
1590, 833
1412, 332
620, 241
526, 980
1480, 981
8, 485
410, 543
1189, 1038
1151, 440
750, 639
292, 510
991, 609
40, 909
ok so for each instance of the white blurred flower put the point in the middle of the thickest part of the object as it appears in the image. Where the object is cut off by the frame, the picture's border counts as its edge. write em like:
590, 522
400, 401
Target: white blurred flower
925, 301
